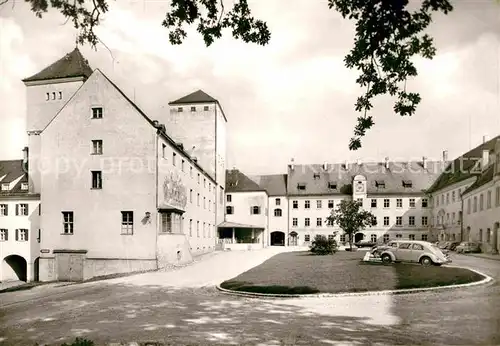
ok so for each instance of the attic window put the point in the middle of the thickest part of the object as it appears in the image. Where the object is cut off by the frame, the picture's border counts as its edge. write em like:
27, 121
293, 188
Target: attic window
332, 185
301, 186
316, 176
193, 109
407, 183
47, 96
179, 109
205, 108
24, 186
380, 184
233, 183
60, 95
5, 187
96, 112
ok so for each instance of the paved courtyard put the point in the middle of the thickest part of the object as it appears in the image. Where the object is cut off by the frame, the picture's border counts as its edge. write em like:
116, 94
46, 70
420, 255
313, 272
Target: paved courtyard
182, 307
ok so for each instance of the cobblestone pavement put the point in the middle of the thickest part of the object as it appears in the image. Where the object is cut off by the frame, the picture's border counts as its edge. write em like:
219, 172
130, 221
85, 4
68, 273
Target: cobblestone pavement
191, 312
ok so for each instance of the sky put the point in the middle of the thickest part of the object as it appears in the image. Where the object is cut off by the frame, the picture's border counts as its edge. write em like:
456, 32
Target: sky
292, 98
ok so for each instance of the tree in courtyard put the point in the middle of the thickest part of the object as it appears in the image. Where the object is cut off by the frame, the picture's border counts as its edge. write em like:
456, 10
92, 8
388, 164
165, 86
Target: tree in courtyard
388, 35
351, 218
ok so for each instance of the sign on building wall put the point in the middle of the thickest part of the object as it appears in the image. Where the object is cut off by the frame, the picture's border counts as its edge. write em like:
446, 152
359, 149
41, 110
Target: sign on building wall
174, 191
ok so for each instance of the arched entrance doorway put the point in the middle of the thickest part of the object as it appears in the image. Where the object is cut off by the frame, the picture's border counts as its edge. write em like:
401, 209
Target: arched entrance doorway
14, 267
293, 238
277, 238
358, 237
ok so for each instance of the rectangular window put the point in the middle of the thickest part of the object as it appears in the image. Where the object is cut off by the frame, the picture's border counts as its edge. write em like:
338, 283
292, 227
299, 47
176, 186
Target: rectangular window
191, 195
190, 227
399, 221
182, 165
399, 236
295, 222
209, 187
330, 204
295, 204
424, 237
307, 222
24, 186
221, 198
228, 198
204, 182
386, 203
229, 210
204, 202
468, 205
342, 238
307, 204
21, 234
319, 222
5, 187
4, 234
209, 205
164, 151
474, 206
170, 222
331, 237
127, 222
199, 178
442, 199
174, 156
22, 209
198, 229
386, 238
448, 198
193, 109
96, 112
180, 109
198, 200
411, 220
97, 147
412, 203
497, 196
399, 203
453, 197
319, 204
307, 237
96, 179
68, 222
374, 203
481, 202
386, 220
205, 108
488, 199
425, 220
4, 210
191, 171
425, 202
277, 201
375, 221
204, 230
453, 215
411, 236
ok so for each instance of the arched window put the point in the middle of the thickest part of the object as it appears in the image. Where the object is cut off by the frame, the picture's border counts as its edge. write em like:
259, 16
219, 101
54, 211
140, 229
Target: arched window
277, 212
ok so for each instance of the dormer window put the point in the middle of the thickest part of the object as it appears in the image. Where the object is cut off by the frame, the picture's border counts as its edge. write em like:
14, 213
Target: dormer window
179, 109
407, 183
60, 95
5, 187
47, 96
301, 186
332, 185
53, 96
24, 186
380, 184
316, 176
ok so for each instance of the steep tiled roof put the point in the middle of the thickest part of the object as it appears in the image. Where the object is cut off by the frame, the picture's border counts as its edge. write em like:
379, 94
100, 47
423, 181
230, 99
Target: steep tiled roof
198, 96
71, 65
483, 179
336, 179
274, 184
464, 166
13, 170
236, 181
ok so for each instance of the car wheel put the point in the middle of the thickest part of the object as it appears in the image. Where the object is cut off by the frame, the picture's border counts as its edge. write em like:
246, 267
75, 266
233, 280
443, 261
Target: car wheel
386, 258
425, 261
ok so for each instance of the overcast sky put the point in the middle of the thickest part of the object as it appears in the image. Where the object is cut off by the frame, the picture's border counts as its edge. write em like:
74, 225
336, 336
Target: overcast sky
291, 98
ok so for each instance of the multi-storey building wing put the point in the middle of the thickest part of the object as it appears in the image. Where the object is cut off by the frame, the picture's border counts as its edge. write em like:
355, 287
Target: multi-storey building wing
19, 223
108, 174
449, 208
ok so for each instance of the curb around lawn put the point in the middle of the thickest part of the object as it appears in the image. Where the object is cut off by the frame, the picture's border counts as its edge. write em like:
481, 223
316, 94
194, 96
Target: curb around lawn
487, 279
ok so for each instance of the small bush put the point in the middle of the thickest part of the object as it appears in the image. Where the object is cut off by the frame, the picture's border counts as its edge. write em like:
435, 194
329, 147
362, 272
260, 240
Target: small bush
80, 342
323, 246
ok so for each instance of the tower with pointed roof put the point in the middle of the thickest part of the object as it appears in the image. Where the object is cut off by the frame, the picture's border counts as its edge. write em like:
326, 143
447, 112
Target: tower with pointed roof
46, 93
198, 122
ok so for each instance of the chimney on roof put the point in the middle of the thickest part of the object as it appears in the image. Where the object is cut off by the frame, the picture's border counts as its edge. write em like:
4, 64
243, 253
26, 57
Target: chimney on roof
325, 166
181, 146
25, 159
387, 163
155, 123
195, 159
424, 162
485, 139
445, 155
485, 160
291, 165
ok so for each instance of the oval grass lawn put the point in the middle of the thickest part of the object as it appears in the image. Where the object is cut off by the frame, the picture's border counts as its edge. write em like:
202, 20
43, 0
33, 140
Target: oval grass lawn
304, 273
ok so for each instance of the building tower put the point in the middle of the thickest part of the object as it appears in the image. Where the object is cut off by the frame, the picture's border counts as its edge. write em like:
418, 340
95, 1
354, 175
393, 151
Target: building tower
199, 123
46, 93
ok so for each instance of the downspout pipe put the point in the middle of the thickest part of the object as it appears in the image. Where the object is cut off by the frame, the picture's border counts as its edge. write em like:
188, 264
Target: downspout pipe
157, 137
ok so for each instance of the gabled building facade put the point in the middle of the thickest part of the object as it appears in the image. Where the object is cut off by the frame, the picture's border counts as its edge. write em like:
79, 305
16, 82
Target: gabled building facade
19, 223
108, 174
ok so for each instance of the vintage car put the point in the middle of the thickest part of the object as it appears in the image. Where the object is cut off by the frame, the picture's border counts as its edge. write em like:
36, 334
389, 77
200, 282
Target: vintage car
466, 247
415, 251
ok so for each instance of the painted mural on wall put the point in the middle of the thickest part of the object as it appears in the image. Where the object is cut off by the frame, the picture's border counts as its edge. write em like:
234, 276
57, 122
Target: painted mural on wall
174, 191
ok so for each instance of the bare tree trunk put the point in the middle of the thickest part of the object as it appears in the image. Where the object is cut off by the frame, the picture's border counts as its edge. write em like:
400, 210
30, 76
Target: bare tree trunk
350, 242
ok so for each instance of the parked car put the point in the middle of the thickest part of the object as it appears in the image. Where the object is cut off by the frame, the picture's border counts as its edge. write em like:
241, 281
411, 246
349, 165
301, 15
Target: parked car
365, 243
467, 247
416, 251
453, 245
